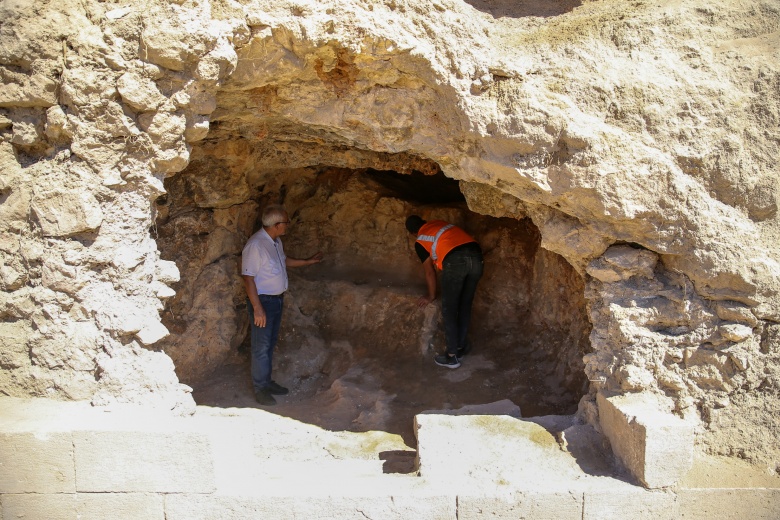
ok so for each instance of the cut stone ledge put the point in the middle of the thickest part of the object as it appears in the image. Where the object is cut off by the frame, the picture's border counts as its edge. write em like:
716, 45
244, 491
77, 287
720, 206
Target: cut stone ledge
654, 445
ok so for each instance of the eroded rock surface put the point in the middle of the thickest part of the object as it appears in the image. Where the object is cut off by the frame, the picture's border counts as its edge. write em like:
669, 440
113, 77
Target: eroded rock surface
639, 139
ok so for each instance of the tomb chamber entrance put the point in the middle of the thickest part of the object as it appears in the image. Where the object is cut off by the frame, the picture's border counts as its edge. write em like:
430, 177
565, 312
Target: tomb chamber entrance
355, 349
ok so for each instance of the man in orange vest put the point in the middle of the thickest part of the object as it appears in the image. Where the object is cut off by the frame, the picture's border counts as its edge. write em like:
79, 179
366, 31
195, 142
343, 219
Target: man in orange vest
457, 255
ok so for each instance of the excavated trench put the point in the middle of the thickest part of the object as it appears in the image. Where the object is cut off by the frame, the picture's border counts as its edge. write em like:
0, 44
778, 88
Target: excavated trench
354, 348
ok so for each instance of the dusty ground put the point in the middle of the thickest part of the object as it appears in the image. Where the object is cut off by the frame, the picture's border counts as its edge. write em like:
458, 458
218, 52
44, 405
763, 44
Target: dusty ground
398, 388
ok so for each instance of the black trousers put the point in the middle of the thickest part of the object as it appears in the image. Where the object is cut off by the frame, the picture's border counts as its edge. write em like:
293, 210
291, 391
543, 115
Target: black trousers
461, 271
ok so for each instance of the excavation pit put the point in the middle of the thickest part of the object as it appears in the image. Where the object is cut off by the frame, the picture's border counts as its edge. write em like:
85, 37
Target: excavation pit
354, 348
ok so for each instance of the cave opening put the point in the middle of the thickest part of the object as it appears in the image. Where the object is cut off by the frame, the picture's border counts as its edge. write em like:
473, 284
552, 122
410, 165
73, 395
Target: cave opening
354, 348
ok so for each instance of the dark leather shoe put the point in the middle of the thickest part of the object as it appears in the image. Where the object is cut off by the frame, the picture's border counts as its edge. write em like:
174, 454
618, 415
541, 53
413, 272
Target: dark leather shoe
264, 397
276, 389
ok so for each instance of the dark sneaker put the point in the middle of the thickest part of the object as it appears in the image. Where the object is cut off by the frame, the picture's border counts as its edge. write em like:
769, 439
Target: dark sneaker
276, 389
445, 360
264, 397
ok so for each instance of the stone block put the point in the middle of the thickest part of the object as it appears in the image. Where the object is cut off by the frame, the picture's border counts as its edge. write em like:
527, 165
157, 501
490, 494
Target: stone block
487, 451
307, 503
132, 461
536, 505
651, 442
632, 503
67, 212
36, 463
83, 506
34, 506
729, 504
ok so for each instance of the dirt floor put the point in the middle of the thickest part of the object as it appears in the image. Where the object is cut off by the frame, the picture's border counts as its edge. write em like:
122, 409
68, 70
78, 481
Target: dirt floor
379, 392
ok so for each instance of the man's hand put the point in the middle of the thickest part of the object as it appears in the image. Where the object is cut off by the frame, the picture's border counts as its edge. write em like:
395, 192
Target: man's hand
260, 318
316, 258
423, 301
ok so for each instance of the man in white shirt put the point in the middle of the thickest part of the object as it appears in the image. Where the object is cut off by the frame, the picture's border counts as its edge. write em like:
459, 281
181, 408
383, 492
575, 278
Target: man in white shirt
264, 270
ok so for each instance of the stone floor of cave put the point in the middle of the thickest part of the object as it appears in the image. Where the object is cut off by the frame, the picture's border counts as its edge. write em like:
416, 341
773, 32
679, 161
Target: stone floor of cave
386, 392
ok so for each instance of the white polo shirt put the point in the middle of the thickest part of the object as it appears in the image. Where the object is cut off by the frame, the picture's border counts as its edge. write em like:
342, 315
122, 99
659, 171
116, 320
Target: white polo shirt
263, 258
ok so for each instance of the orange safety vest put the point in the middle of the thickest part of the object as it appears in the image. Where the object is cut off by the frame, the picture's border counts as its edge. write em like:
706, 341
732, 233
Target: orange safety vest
439, 238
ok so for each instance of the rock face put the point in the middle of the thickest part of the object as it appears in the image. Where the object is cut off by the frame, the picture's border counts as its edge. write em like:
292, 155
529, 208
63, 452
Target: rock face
638, 141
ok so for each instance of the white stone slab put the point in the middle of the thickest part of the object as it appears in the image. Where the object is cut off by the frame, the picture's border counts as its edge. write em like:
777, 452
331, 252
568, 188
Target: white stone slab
130, 461
36, 462
83, 506
630, 504
299, 505
532, 504
653, 444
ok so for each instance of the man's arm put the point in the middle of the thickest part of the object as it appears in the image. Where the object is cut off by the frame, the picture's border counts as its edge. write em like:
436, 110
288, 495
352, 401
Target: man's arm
430, 281
251, 292
300, 262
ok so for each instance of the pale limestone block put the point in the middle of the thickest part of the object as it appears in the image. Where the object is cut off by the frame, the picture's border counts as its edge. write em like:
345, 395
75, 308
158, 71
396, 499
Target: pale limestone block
140, 93
35, 506
26, 131
652, 443
36, 463
735, 311
631, 261
735, 332
152, 333
120, 506
14, 348
171, 44
74, 346
473, 453
197, 128
57, 124
83, 506
67, 212
127, 257
164, 128
602, 273
217, 64
621, 263
162, 290
629, 504
167, 271
200, 101
531, 504
36, 90
58, 276
310, 504
81, 86
729, 504
124, 461
171, 159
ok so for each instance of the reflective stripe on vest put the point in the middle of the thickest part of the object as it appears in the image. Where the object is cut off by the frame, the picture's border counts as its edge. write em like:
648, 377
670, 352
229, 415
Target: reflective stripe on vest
435, 240
439, 238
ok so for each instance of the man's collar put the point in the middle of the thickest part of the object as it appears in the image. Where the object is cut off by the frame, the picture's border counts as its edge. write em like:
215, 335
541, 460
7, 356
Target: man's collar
266, 234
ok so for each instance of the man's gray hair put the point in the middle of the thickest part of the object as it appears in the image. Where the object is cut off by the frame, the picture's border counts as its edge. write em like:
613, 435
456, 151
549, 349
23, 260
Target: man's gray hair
274, 214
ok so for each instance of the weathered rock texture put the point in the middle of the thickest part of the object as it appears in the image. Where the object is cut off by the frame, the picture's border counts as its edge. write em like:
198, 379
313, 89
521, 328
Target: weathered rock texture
639, 138
352, 324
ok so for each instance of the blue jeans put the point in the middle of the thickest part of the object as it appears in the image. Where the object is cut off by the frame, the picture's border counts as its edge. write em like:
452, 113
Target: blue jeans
264, 338
461, 271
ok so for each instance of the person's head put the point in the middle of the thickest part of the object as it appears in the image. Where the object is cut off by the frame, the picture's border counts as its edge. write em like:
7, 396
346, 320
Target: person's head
414, 223
275, 218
